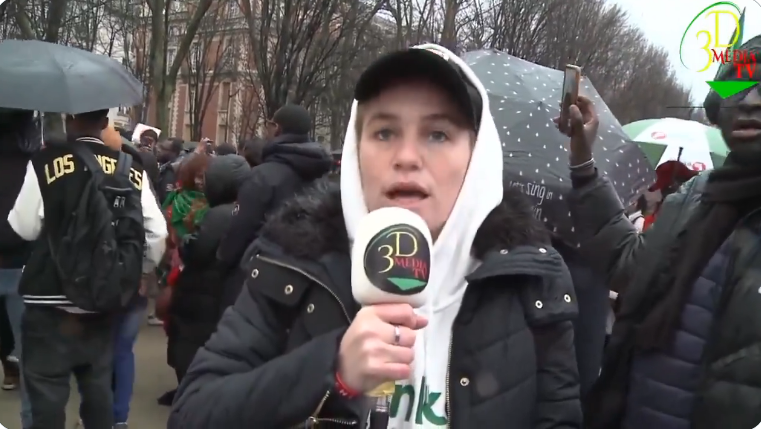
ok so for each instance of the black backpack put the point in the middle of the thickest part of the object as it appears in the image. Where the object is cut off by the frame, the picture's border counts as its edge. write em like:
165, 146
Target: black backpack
99, 255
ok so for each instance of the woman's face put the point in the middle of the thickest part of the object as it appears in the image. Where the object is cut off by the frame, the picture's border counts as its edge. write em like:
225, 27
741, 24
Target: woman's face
414, 151
200, 180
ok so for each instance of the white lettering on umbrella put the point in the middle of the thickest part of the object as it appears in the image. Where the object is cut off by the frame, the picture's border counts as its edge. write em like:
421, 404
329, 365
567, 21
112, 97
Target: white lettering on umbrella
536, 190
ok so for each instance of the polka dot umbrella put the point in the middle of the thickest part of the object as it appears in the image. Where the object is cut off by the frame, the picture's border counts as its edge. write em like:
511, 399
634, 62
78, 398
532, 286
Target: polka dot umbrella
524, 98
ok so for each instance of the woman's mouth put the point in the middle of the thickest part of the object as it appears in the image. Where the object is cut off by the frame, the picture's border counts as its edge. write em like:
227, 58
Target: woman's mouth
745, 129
406, 196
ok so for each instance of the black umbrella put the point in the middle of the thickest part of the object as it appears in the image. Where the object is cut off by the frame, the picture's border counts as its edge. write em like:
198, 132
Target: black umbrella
524, 98
43, 76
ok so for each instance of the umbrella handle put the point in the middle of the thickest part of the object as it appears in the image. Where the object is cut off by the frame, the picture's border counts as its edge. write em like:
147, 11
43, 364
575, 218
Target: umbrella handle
673, 172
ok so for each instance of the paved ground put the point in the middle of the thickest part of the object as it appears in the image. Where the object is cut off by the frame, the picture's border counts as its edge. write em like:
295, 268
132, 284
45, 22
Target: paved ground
154, 377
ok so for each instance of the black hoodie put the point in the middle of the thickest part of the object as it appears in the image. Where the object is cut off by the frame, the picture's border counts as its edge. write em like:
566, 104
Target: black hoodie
289, 163
194, 312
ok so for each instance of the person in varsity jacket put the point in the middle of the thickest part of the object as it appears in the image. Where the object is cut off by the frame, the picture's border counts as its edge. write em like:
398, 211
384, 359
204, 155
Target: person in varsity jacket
58, 338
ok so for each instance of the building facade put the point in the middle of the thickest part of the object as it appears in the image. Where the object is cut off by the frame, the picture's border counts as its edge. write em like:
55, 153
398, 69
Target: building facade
215, 96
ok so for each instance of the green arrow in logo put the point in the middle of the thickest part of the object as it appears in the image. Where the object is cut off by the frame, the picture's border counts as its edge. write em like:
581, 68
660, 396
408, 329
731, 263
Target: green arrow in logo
728, 88
406, 284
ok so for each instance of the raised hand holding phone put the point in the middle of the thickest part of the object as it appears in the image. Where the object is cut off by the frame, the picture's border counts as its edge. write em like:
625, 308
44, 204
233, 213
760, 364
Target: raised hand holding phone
391, 259
578, 119
571, 81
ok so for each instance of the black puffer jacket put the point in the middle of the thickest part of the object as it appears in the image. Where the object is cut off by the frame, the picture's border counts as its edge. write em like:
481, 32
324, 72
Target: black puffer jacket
272, 360
194, 312
289, 163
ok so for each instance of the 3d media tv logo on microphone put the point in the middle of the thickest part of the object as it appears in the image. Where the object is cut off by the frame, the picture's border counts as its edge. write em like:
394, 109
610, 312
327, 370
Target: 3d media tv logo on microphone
397, 260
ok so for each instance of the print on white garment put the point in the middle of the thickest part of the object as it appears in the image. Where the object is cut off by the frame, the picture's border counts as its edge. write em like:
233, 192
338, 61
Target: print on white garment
418, 408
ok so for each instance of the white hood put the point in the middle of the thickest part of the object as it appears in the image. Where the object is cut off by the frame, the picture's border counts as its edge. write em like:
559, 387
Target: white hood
480, 194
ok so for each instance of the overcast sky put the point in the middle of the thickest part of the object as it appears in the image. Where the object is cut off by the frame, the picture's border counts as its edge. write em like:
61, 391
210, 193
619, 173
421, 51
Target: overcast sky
664, 22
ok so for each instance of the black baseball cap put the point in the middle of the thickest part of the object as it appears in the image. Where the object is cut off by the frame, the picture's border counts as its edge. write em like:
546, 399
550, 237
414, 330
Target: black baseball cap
425, 64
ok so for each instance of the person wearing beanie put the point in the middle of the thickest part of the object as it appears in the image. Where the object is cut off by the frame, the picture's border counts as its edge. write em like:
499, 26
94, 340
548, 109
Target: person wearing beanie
290, 119
684, 351
290, 160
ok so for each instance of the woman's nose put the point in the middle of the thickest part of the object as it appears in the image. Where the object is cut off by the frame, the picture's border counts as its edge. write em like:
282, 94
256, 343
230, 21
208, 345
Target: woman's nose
408, 155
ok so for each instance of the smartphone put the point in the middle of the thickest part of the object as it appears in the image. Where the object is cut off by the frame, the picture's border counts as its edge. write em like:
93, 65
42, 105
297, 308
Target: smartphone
570, 93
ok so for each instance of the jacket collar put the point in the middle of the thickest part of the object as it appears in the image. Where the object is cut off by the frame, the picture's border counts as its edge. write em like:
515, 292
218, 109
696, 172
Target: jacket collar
309, 230
89, 139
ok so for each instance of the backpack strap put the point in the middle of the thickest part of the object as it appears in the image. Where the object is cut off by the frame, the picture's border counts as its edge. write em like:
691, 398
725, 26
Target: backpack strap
123, 164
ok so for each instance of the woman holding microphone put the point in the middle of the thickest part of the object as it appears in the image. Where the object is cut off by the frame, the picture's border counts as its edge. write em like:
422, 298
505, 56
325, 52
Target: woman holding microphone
492, 345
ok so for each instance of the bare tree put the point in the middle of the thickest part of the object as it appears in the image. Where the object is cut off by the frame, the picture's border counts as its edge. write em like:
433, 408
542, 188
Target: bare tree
163, 71
210, 60
38, 19
334, 107
246, 124
296, 45
633, 76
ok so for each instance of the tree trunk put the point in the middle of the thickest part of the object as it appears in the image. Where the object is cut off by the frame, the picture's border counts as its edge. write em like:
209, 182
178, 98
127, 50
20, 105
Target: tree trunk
163, 98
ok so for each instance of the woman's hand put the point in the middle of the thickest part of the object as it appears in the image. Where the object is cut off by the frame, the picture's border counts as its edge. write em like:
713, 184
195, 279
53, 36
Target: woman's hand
369, 355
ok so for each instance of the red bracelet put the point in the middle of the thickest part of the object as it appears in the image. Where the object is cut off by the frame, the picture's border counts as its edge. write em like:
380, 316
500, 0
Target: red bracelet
344, 390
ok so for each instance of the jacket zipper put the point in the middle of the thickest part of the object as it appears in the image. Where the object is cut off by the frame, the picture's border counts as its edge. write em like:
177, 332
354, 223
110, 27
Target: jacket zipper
313, 420
446, 395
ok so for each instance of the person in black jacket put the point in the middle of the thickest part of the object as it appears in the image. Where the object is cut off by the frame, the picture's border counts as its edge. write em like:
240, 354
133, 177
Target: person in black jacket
194, 311
492, 346
290, 161
20, 139
252, 151
589, 326
58, 338
168, 151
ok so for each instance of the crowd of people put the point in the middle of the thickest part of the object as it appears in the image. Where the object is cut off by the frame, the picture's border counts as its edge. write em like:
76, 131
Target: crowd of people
247, 252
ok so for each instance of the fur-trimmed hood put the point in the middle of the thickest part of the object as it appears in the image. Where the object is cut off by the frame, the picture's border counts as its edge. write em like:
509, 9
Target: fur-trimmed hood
312, 224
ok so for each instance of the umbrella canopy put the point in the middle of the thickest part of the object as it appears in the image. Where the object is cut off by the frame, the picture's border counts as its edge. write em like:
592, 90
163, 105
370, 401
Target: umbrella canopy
703, 147
524, 97
36, 75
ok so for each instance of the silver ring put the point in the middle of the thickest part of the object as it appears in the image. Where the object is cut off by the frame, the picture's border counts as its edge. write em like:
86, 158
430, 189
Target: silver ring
397, 336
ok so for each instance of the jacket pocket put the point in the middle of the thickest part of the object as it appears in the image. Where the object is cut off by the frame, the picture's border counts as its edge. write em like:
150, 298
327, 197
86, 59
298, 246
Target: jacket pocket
276, 282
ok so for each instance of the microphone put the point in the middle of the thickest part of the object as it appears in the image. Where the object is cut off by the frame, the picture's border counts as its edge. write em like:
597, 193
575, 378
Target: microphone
390, 263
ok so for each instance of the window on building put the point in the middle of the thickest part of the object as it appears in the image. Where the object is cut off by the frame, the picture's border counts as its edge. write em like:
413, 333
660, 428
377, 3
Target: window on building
195, 56
222, 135
225, 96
171, 53
233, 8
176, 6
228, 50
191, 99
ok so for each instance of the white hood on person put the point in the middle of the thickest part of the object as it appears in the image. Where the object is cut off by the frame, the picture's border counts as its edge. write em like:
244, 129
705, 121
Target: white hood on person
481, 192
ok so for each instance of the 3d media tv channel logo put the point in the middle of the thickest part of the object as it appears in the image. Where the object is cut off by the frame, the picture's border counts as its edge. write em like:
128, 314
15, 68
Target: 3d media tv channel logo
710, 46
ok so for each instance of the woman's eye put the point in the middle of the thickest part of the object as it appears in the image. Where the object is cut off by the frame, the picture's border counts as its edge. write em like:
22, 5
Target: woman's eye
384, 135
438, 137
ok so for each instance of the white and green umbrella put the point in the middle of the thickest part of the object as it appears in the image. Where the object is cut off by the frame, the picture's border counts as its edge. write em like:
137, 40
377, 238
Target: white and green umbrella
702, 146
